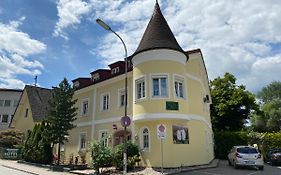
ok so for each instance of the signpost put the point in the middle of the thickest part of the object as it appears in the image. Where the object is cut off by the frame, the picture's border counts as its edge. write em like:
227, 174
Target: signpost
161, 134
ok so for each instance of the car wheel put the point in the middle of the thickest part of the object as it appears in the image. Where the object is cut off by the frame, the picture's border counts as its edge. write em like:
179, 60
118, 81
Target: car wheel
261, 168
229, 163
235, 165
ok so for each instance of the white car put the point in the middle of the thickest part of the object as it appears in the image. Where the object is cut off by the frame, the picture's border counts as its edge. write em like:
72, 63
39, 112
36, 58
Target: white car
245, 156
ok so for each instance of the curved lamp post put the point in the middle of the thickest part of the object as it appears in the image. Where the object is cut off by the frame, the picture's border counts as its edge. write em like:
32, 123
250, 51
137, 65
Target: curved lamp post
125, 117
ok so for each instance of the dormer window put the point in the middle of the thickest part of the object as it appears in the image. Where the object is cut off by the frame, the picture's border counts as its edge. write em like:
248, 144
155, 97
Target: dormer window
115, 70
95, 77
76, 84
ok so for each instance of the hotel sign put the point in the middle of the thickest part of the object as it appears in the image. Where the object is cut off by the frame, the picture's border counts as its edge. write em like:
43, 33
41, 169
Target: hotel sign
171, 105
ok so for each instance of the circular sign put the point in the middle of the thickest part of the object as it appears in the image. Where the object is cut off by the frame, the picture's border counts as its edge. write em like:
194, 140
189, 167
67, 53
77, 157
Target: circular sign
125, 121
161, 131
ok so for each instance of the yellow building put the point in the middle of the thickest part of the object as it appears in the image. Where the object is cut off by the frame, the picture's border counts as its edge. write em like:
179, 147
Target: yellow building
32, 108
168, 94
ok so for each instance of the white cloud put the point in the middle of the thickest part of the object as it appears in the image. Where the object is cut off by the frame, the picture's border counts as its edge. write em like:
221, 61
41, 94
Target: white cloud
15, 49
235, 36
70, 13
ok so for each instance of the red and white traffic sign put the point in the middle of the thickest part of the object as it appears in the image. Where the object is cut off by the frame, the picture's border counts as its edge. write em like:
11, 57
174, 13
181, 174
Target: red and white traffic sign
161, 131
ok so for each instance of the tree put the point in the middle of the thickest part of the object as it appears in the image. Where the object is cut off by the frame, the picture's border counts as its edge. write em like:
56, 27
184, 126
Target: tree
61, 114
231, 103
269, 119
36, 147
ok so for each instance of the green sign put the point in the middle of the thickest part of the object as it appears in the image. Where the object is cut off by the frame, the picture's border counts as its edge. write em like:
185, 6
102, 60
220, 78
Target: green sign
171, 105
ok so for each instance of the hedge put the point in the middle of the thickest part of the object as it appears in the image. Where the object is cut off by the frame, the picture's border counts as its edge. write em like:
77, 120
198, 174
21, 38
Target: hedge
225, 140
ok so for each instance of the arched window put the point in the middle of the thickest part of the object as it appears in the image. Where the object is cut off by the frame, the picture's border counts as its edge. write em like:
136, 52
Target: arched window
145, 138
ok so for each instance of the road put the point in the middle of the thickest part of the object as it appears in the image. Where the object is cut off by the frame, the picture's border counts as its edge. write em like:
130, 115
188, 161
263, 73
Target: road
8, 171
224, 169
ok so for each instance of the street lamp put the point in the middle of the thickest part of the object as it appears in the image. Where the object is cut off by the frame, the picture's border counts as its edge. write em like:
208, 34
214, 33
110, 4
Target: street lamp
124, 120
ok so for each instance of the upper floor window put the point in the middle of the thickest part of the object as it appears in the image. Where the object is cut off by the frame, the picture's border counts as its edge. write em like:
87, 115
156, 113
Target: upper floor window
160, 86
82, 141
145, 138
121, 98
115, 70
5, 118
26, 112
85, 107
105, 102
7, 103
140, 88
76, 84
179, 88
95, 77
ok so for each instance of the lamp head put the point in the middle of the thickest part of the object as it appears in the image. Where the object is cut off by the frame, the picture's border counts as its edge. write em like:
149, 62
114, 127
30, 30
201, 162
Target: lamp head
103, 24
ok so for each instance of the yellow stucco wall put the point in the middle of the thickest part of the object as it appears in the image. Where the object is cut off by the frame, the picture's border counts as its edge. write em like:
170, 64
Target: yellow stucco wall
21, 122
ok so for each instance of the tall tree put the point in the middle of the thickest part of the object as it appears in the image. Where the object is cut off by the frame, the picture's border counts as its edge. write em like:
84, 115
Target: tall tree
231, 103
61, 114
269, 119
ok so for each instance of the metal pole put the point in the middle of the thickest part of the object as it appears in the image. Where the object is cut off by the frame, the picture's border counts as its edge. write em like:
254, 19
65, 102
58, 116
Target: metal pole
161, 155
126, 99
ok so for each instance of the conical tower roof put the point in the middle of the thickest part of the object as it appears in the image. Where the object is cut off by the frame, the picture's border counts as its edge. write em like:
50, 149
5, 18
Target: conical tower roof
158, 34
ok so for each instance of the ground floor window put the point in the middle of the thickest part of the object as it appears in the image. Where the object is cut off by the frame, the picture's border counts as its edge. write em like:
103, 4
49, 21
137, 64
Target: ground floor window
145, 138
82, 141
180, 135
104, 138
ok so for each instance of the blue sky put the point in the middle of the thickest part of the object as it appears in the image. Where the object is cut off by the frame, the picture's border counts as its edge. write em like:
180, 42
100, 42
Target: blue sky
59, 38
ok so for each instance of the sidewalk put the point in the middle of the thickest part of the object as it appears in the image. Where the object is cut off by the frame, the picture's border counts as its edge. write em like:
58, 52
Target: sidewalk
147, 171
151, 171
29, 168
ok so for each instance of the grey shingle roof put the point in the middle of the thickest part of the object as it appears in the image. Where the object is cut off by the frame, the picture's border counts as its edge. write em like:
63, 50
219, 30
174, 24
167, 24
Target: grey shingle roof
158, 34
39, 101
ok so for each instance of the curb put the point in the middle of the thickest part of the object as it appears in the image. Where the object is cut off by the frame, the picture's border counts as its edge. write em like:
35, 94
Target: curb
18, 169
41, 165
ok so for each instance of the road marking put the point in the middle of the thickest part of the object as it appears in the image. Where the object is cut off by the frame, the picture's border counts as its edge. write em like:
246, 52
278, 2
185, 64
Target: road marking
204, 172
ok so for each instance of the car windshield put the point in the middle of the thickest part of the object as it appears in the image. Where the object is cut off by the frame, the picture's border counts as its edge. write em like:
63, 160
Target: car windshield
247, 150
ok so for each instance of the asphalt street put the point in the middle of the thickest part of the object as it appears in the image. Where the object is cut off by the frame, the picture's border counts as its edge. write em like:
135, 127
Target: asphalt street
224, 169
8, 171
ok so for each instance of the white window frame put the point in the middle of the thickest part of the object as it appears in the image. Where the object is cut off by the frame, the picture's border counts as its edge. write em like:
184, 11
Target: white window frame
101, 101
120, 93
106, 140
142, 140
115, 70
95, 77
180, 79
86, 100
159, 75
79, 141
137, 81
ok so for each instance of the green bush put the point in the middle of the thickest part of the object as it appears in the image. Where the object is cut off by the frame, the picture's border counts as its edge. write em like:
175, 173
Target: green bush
36, 147
225, 140
101, 155
270, 141
132, 155
11, 138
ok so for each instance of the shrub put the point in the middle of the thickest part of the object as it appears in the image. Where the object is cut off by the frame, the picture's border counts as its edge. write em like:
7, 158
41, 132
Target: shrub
11, 138
101, 155
225, 140
132, 155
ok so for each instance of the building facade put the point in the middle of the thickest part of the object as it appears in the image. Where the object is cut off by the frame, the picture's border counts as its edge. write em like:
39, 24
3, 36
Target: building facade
9, 99
168, 96
32, 108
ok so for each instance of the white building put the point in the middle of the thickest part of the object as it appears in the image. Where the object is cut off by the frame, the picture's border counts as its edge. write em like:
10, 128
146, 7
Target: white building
9, 99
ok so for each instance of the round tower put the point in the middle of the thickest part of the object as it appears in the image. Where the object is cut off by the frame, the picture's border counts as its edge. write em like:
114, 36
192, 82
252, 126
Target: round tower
161, 98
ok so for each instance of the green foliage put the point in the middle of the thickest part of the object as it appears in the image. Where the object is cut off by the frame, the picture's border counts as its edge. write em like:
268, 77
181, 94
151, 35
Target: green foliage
270, 92
11, 138
225, 140
61, 114
101, 155
231, 104
269, 119
270, 141
37, 147
132, 154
